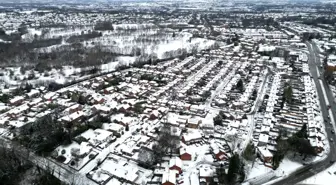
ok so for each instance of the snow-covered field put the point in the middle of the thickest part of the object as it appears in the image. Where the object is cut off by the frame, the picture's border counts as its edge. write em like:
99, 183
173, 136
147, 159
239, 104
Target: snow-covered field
60, 76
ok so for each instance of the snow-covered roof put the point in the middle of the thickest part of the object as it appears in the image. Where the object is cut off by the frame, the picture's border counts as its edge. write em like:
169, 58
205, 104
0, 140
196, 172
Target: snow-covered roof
265, 152
73, 116
175, 161
192, 135
263, 138
33, 92
16, 99
169, 176
97, 136
113, 127
206, 171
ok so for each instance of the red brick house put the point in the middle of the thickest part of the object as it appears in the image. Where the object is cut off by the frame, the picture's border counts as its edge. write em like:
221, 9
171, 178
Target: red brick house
154, 115
220, 155
184, 155
124, 108
99, 100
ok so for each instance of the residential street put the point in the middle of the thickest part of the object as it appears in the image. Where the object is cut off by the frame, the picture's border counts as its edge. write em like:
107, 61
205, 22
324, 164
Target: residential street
310, 170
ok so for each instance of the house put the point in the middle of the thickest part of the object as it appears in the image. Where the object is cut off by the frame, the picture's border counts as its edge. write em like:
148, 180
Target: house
218, 151
184, 154
17, 111
121, 119
192, 137
194, 122
83, 150
175, 163
18, 100
115, 128
108, 77
265, 155
96, 99
98, 136
197, 109
101, 109
109, 90
206, 173
331, 63
220, 155
124, 108
186, 106
163, 110
35, 102
169, 177
316, 144
74, 117
263, 139
74, 108
33, 93
182, 120
121, 169
155, 114
50, 96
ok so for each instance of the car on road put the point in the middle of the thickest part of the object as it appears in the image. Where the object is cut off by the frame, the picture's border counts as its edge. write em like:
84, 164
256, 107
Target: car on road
332, 131
328, 106
331, 140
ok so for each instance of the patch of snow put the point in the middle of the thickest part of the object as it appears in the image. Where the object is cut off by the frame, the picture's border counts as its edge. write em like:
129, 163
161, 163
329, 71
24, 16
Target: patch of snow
325, 177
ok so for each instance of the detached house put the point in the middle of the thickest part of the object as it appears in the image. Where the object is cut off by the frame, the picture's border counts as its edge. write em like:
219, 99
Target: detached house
264, 154
185, 155
155, 114
18, 100
169, 177
194, 122
218, 151
175, 163
192, 137
206, 173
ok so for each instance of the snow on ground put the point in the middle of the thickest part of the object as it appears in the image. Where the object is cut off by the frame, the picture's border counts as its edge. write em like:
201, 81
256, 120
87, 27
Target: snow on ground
54, 33
104, 153
131, 26
325, 177
123, 60
61, 76
262, 174
258, 169
288, 166
199, 157
183, 43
